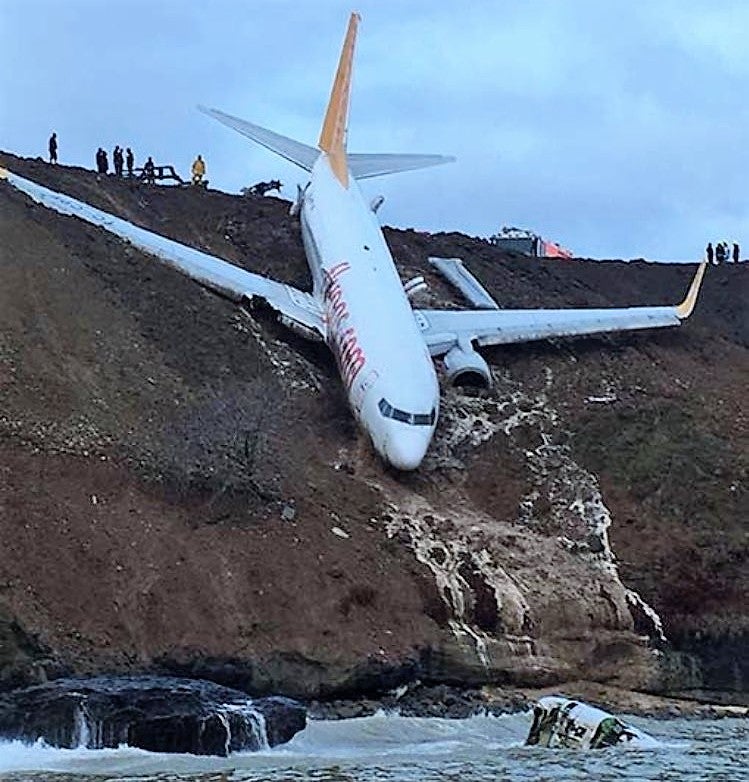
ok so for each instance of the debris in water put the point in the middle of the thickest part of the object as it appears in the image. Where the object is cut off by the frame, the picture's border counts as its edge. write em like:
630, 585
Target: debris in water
562, 723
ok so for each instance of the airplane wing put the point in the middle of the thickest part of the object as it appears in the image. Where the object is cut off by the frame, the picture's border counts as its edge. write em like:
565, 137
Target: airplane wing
296, 309
442, 329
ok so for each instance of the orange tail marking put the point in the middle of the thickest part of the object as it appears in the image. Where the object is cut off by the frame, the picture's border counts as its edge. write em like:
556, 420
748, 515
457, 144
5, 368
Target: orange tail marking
333, 134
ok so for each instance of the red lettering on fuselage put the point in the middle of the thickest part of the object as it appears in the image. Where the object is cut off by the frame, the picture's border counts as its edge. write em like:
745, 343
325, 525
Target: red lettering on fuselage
342, 339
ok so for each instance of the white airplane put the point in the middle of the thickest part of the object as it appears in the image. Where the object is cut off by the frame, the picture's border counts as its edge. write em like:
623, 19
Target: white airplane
358, 305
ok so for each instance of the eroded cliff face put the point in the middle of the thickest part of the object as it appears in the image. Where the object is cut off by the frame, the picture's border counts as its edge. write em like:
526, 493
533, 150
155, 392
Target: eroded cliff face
183, 489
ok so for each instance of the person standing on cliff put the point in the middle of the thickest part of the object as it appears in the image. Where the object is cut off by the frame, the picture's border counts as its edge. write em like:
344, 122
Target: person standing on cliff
198, 170
709, 254
736, 252
149, 171
129, 160
117, 159
102, 162
53, 148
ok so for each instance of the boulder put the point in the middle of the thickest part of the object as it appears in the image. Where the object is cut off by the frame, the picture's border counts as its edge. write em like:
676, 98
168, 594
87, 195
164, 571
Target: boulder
157, 713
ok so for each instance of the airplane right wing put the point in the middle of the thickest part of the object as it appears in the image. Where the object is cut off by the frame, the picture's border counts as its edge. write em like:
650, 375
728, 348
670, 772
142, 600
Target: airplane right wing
442, 329
296, 309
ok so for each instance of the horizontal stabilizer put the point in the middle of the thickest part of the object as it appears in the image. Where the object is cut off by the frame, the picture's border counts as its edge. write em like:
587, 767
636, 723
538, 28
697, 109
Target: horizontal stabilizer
364, 166
301, 154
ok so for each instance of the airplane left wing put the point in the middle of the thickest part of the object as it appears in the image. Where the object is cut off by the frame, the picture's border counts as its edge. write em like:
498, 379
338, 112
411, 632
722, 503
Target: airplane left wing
442, 329
296, 309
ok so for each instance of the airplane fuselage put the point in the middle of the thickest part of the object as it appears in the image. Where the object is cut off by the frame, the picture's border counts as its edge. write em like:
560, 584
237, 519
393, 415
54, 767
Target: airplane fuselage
384, 363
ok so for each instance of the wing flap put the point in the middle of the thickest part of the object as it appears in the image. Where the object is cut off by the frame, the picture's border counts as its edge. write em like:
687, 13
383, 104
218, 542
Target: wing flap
455, 272
295, 307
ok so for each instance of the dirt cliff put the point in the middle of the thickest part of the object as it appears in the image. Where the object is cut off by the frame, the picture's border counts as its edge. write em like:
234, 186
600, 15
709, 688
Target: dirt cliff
183, 489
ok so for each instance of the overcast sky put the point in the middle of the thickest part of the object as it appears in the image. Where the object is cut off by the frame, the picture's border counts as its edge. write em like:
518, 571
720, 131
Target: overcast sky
616, 127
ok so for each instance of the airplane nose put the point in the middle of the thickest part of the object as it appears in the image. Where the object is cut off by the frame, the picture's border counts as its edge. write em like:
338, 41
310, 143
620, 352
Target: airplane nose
405, 450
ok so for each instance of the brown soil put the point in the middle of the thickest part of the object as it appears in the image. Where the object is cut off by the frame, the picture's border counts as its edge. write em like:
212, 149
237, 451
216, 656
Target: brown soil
172, 471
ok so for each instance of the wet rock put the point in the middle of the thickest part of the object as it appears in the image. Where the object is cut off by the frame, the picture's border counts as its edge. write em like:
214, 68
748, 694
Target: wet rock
23, 659
420, 700
455, 703
160, 714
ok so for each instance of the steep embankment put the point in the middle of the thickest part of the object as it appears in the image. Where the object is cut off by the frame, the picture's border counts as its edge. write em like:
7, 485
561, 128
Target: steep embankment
183, 489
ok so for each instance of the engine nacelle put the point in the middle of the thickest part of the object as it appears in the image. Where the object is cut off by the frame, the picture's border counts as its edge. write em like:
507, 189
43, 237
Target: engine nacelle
465, 367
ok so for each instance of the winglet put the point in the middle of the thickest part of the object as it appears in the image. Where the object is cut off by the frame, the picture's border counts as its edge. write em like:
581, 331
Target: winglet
333, 134
684, 310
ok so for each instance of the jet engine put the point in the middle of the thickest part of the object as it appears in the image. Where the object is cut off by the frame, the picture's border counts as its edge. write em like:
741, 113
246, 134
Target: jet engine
465, 367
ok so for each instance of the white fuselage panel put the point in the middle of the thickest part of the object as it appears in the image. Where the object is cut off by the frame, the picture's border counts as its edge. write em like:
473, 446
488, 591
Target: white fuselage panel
370, 325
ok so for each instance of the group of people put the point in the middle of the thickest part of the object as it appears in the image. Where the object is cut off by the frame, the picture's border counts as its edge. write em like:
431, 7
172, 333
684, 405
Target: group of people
723, 252
119, 161
125, 160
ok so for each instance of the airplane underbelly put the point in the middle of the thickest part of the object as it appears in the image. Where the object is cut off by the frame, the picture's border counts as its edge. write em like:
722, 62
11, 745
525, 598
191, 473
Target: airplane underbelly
312, 251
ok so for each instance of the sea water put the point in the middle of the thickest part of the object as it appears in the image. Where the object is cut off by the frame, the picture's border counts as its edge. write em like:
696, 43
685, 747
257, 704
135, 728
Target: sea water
385, 748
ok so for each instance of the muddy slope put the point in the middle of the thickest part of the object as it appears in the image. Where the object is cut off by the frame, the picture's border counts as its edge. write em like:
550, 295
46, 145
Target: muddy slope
182, 488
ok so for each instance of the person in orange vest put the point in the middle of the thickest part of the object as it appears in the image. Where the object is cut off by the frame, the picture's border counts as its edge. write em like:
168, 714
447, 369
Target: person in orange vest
198, 170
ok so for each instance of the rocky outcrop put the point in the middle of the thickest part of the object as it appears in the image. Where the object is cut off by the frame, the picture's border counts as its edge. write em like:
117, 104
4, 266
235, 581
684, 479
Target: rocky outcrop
154, 713
20, 655
584, 519
440, 700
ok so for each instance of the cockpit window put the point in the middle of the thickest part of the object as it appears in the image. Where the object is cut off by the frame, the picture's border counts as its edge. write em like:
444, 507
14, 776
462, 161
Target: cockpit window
414, 419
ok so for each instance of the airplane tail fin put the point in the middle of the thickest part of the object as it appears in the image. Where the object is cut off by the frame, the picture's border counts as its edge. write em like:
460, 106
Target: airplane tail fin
333, 136
335, 126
